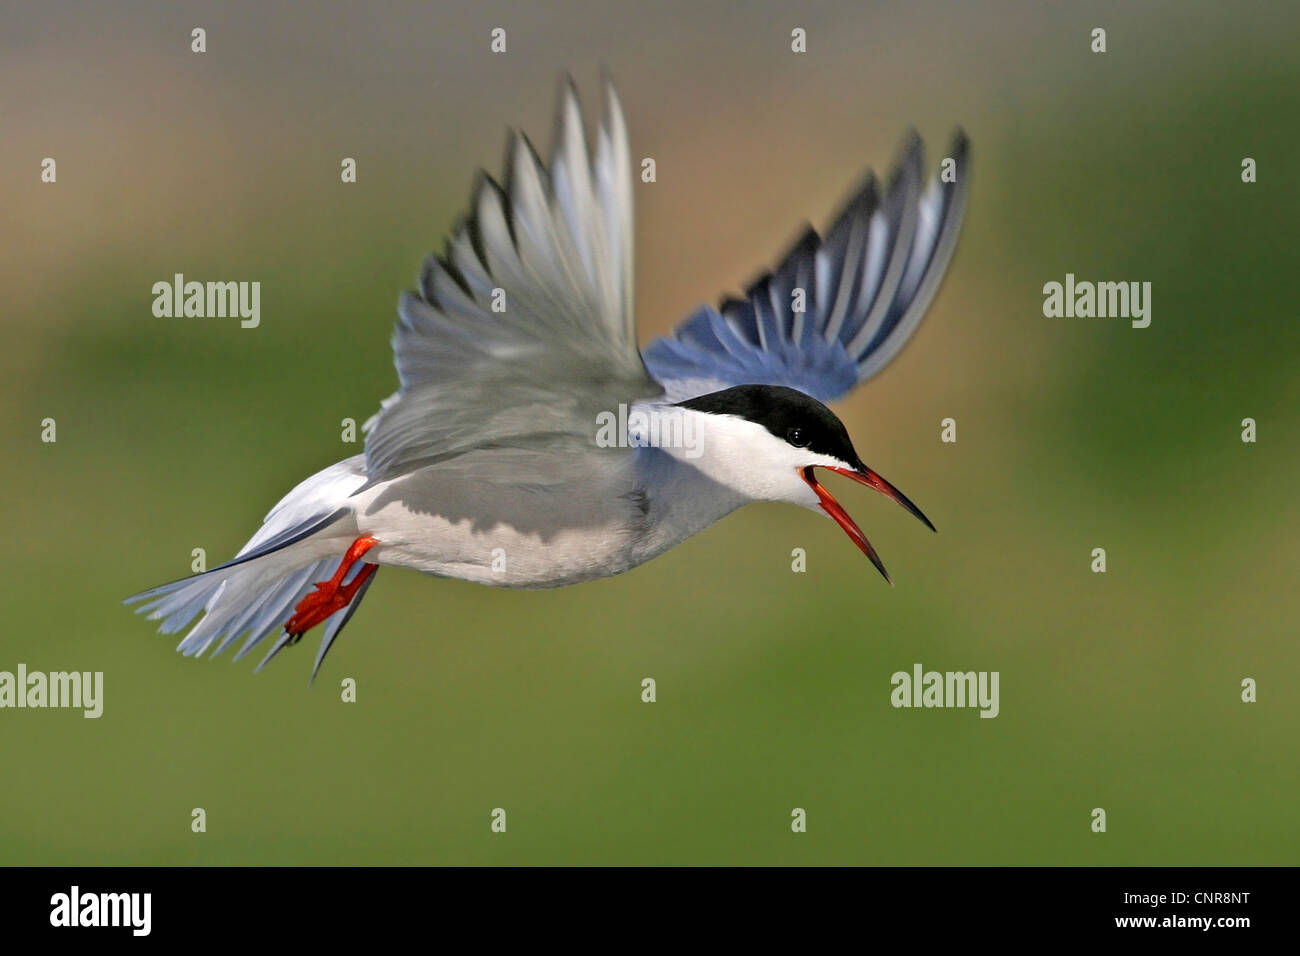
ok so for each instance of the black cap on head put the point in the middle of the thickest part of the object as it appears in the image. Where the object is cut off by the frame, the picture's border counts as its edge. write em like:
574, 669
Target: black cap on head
789, 414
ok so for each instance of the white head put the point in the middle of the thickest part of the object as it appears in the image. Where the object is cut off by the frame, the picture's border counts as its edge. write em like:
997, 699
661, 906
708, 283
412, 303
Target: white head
764, 441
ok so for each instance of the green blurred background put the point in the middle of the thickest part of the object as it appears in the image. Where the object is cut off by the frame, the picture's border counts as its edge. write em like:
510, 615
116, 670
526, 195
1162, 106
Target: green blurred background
1119, 690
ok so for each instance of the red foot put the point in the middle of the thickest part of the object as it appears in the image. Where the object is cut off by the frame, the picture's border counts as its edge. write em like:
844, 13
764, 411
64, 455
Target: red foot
332, 595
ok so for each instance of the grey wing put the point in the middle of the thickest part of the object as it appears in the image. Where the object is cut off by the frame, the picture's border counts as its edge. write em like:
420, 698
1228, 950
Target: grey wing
524, 326
836, 310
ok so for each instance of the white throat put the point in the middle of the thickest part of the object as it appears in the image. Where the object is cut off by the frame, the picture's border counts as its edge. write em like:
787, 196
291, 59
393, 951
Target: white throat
743, 456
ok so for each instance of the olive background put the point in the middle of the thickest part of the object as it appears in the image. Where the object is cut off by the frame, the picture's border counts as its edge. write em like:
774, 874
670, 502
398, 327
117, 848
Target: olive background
1119, 690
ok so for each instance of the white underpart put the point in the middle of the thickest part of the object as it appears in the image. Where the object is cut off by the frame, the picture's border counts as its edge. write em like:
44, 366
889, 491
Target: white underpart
458, 522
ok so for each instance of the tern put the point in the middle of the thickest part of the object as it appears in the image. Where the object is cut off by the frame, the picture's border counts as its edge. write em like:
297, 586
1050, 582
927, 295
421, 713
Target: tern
489, 463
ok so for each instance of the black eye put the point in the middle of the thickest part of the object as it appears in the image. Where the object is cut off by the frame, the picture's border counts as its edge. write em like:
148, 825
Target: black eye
796, 437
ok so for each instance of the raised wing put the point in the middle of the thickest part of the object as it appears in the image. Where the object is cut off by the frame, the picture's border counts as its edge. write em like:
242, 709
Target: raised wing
863, 290
524, 326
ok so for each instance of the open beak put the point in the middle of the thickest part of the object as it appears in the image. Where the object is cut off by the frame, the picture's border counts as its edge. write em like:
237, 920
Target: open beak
864, 476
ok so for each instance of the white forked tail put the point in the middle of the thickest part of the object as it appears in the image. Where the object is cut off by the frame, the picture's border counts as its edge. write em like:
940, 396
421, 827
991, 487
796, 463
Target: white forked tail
302, 541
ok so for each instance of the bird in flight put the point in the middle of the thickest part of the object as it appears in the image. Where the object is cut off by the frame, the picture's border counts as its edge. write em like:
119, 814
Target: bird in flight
532, 444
